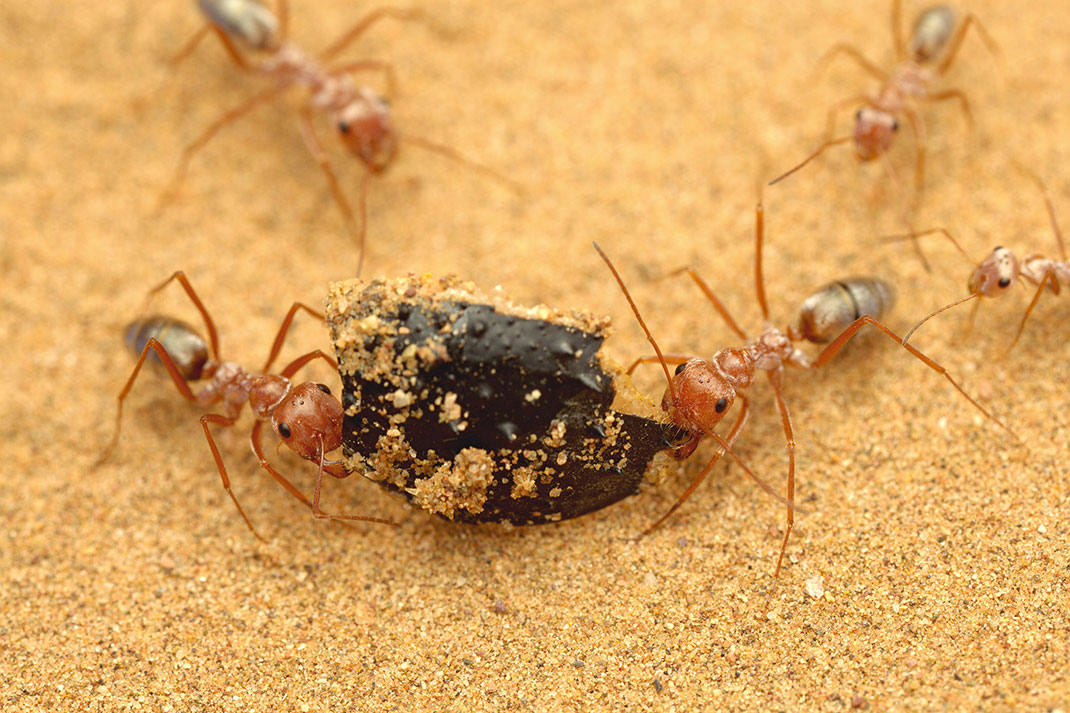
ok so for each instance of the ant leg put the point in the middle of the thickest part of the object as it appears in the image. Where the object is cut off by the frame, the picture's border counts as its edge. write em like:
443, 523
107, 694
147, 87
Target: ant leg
319, 514
789, 438
1048, 202
453, 155
191, 150
717, 304
366, 22
312, 143
258, 451
832, 349
231, 49
294, 366
759, 278
180, 383
918, 127
922, 233
669, 359
733, 433
385, 67
226, 422
285, 328
1049, 279
213, 335
282, 14
898, 41
958, 94
191, 44
852, 52
956, 42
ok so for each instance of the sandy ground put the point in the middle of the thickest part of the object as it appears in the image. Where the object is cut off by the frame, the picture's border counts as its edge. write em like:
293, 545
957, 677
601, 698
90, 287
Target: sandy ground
939, 543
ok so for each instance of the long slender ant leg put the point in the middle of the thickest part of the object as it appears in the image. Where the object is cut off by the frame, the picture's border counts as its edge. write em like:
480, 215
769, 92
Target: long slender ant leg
213, 335
226, 422
733, 433
180, 383
276, 346
898, 42
956, 42
855, 54
834, 347
759, 277
817, 152
918, 127
190, 45
958, 95
1049, 279
312, 142
930, 231
669, 359
191, 150
1047, 202
235, 55
294, 366
789, 438
363, 24
282, 14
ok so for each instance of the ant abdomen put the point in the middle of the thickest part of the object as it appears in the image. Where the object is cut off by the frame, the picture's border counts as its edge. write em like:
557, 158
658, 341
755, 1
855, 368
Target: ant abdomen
931, 32
832, 308
246, 20
186, 348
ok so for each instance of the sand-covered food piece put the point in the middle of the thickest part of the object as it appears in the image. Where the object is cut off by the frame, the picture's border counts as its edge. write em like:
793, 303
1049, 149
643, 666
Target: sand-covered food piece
482, 410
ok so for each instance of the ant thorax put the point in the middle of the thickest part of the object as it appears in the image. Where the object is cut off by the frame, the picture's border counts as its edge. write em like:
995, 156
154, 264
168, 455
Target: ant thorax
771, 349
1035, 266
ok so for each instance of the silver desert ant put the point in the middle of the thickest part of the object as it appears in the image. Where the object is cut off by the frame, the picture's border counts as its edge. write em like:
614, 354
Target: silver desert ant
877, 122
701, 392
999, 272
359, 114
306, 417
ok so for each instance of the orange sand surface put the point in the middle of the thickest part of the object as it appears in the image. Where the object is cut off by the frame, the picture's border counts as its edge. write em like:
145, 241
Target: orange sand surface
936, 543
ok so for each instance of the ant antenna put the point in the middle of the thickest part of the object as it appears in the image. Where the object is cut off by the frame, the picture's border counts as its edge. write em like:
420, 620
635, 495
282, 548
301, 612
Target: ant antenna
811, 157
929, 316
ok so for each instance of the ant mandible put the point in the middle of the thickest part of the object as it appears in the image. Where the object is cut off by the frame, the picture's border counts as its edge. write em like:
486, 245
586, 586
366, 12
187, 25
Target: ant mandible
306, 417
700, 392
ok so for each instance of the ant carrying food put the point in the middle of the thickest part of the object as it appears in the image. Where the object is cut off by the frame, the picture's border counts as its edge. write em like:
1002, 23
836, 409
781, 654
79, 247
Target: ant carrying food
701, 392
360, 115
877, 122
306, 417
999, 272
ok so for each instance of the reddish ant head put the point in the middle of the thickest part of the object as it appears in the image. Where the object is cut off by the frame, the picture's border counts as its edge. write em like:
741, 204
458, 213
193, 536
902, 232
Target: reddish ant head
309, 418
703, 396
996, 274
874, 132
367, 131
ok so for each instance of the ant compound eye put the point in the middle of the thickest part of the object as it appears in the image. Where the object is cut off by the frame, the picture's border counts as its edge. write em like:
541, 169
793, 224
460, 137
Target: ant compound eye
858, 115
324, 388
680, 368
284, 430
895, 126
721, 405
1004, 281
343, 126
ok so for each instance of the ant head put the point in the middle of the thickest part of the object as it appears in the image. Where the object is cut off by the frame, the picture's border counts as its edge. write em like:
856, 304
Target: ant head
996, 274
874, 132
307, 417
703, 396
367, 131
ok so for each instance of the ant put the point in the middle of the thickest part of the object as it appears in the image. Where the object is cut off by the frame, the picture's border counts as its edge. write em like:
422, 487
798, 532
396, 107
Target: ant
306, 417
360, 115
877, 123
700, 392
997, 273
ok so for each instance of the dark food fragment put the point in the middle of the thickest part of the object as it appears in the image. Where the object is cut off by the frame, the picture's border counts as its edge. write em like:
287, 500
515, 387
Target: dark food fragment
484, 411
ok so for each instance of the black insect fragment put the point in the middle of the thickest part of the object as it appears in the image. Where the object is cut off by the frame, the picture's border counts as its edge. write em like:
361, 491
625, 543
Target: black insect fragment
480, 410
